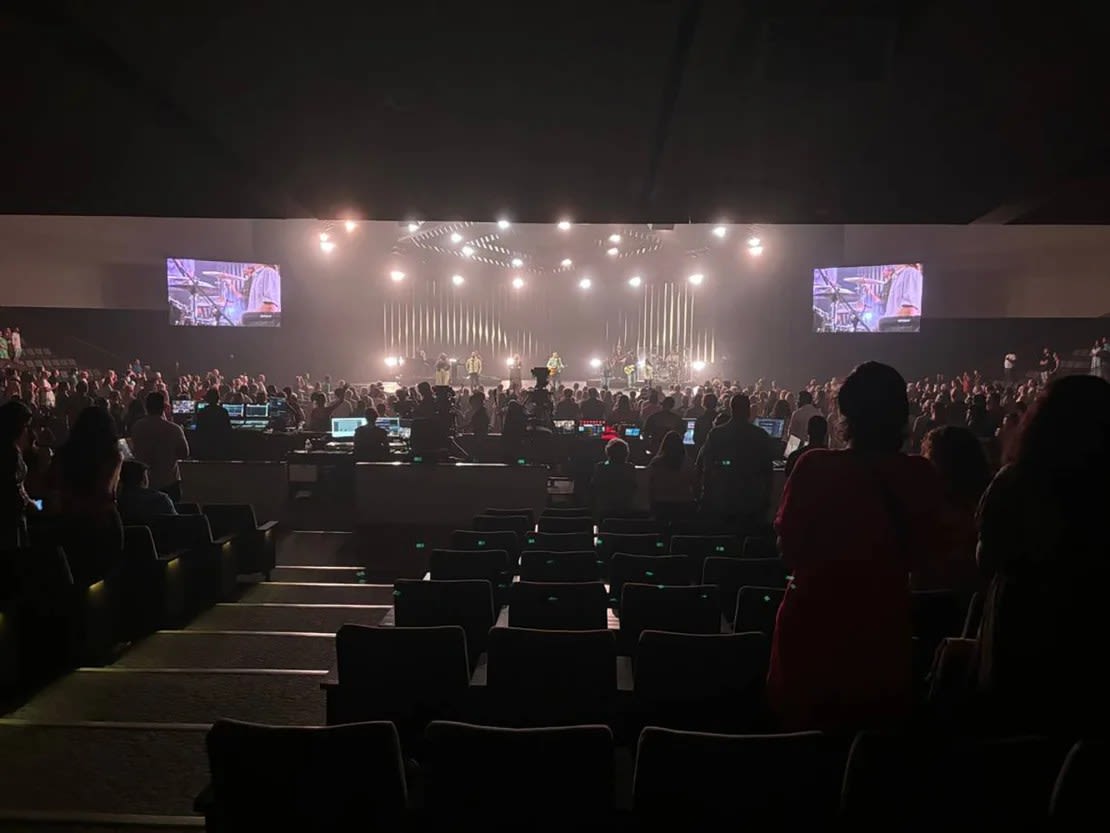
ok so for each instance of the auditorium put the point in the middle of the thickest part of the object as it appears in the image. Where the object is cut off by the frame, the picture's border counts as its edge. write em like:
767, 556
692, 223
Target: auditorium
682, 415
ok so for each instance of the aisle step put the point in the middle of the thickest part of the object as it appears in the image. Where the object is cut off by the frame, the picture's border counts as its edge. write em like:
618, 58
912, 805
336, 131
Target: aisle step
114, 694
308, 573
333, 593
286, 617
232, 649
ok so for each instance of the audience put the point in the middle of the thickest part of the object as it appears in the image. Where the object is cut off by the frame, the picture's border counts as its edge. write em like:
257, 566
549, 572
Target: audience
662, 421
735, 466
138, 503
614, 482
371, 442
15, 440
671, 478
160, 444
817, 436
212, 431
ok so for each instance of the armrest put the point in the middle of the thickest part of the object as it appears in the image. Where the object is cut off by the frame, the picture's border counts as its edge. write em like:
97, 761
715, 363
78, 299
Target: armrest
331, 680
167, 558
266, 527
205, 801
223, 539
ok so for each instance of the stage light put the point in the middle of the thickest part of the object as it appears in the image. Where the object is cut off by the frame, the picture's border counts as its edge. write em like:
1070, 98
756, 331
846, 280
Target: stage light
390, 361
614, 238
456, 237
324, 237
566, 263
635, 281
696, 278
468, 250
755, 250
720, 231
509, 361
458, 280
414, 227
585, 283
754, 243
613, 252
595, 363
518, 283
350, 225
699, 365
397, 275
326, 246
564, 225
642, 363
503, 224
453, 360
517, 262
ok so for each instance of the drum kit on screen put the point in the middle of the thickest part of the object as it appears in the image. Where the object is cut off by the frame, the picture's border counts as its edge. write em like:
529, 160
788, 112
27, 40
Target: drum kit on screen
838, 309
204, 302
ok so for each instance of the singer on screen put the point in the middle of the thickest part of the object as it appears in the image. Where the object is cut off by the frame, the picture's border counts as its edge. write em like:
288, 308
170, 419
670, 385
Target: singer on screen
265, 288
904, 297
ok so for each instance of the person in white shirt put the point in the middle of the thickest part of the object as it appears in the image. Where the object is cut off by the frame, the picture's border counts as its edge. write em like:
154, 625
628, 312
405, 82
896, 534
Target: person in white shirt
342, 408
160, 444
1008, 362
799, 420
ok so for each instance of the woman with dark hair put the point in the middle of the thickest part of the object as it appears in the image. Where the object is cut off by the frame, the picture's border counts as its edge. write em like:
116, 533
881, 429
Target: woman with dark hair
852, 526
83, 498
671, 478
1044, 547
960, 460
15, 440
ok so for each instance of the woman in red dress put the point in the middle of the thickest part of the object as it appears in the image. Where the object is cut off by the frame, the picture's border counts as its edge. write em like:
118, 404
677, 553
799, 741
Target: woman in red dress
852, 526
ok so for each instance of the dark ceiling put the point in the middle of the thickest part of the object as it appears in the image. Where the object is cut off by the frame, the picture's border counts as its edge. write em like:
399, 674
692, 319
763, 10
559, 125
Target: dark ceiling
757, 111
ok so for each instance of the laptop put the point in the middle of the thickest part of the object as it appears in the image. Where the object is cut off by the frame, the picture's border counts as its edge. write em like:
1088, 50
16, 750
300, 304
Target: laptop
345, 427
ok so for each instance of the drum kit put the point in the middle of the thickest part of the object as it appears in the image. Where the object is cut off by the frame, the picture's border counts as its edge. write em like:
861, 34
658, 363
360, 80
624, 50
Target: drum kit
202, 302
838, 309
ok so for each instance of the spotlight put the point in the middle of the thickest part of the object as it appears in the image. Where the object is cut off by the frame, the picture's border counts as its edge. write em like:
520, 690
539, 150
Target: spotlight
635, 281
755, 250
397, 275
350, 225
324, 237
696, 278
509, 361
564, 225
390, 361
613, 252
517, 262
614, 238
566, 263
518, 283
453, 360
456, 237
503, 224
642, 363
585, 283
468, 250
698, 366
754, 243
595, 363
458, 280
326, 246
720, 231
414, 226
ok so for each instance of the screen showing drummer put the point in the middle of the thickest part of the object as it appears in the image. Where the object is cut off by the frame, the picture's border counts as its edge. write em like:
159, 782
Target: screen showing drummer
218, 293
868, 299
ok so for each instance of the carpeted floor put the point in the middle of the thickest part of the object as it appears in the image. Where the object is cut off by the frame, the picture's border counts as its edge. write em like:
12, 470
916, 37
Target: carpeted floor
241, 617
192, 697
327, 594
332, 575
189, 649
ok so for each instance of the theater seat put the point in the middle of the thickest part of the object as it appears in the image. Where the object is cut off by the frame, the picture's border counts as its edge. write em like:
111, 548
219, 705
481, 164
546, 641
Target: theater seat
407, 675
566, 524
486, 778
610, 545
760, 547
700, 547
472, 539
645, 569
757, 609
525, 511
559, 541
468, 604
187, 508
335, 778
566, 512
558, 606
630, 526
152, 586
781, 782
550, 678
540, 565
730, 574
209, 563
519, 524
255, 544
1079, 800
694, 609
486, 565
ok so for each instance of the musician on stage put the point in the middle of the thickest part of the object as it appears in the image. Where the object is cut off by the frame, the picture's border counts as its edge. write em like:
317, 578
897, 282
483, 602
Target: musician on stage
630, 370
515, 381
474, 369
443, 371
555, 366
904, 296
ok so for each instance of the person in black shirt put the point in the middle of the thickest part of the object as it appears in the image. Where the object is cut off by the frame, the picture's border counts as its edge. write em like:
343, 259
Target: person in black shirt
371, 442
567, 408
213, 428
704, 423
426, 407
592, 407
659, 423
817, 433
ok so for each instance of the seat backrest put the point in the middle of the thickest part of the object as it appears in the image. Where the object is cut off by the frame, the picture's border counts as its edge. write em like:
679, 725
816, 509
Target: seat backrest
757, 608
610, 545
403, 662
175, 532
473, 539
525, 511
468, 604
730, 574
138, 545
630, 526
502, 523
788, 778
560, 541
547, 677
645, 569
558, 606
230, 518
694, 609
760, 547
553, 777
937, 614
1079, 794
454, 565
306, 778
706, 546
541, 565
568, 524
566, 512
188, 509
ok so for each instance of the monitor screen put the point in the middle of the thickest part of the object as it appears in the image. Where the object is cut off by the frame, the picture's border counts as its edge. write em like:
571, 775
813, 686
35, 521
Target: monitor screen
256, 411
253, 424
234, 411
773, 427
868, 299
223, 293
391, 425
346, 426
278, 404
630, 432
404, 432
184, 407
591, 427
564, 426
688, 435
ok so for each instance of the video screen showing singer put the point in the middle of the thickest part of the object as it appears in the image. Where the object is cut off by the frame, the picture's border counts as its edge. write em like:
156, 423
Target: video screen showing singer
868, 299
